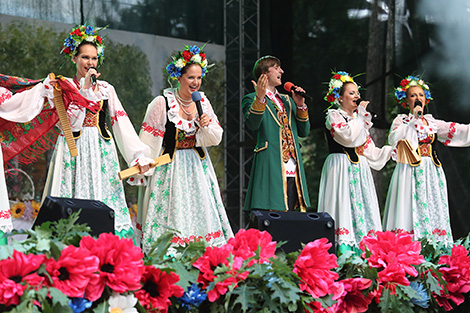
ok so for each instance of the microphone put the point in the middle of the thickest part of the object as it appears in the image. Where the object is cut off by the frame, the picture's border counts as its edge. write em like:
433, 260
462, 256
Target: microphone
196, 97
93, 76
419, 104
374, 115
289, 87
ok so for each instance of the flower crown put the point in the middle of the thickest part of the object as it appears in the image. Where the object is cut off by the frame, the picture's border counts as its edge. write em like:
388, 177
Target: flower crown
334, 86
411, 81
82, 33
190, 55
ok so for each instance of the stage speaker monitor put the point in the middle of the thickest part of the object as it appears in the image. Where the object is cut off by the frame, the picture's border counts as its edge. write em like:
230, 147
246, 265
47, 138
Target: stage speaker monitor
97, 215
294, 227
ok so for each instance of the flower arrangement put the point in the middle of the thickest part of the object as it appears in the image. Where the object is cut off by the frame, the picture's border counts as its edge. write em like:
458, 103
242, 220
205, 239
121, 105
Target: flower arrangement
189, 55
82, 33
61, 268
411, 81
334, 86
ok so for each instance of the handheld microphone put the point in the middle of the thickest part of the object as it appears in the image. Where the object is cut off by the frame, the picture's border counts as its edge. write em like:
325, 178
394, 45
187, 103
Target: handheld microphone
358, 101
289, 87
93, 76
196, 97
419, 104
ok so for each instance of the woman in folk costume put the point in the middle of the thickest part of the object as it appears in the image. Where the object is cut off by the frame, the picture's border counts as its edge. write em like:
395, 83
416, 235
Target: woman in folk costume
184, 194
417, 200
17, 108
93, 173
347, 190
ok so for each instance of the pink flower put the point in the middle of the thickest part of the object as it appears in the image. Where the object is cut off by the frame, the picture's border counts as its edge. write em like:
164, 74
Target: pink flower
209, 261
73, 271
157, 287
15, 273
247, 242
316, 307
314, 265
352, 299
120, 264
390, 248
456, 275
391, 276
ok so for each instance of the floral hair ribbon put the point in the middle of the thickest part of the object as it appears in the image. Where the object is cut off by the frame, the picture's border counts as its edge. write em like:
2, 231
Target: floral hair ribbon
334, 86
189, 55
82, 33
405, 84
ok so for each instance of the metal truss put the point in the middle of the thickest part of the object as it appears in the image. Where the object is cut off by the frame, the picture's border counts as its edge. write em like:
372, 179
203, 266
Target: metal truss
242, 46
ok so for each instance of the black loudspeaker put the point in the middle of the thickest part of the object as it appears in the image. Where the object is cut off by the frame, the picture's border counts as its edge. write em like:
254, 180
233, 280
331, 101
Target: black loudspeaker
97, 215
294, 227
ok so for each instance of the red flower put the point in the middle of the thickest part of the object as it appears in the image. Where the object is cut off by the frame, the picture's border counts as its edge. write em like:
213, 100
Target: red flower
313, 267
98, 38
352, 299
392, 275
67, 50
390, 248
246, 243
16, 273
208, 262
330, 98
457, 276
157, 287
120, 264
73, 271
404, 82
203, 55
77, 32
316, 307
336, 76
187, 55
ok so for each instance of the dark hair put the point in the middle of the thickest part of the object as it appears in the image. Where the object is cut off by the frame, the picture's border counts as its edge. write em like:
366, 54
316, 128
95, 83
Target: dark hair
263, 64
342, 89
84, 43
187, 66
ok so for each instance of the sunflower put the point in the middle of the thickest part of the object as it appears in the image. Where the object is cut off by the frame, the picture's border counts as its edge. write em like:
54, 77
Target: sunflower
36, 207
17, 210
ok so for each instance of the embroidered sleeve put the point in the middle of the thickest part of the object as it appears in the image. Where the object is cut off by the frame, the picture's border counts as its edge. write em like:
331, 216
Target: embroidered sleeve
453, 134
210, 135
153, 127
347, 132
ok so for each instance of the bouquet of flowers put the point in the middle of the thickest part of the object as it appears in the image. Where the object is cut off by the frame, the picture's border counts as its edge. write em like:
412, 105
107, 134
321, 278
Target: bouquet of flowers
61, 268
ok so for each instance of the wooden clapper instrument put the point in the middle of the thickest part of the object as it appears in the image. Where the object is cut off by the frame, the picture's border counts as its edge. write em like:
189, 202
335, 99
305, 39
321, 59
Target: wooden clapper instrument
164, 159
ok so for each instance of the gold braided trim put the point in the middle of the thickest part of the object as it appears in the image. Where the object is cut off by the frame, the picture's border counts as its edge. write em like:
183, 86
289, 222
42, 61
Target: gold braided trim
302, 115
258, 107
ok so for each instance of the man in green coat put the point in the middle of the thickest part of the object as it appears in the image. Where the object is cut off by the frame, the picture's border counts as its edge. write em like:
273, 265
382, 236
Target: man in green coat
277, 180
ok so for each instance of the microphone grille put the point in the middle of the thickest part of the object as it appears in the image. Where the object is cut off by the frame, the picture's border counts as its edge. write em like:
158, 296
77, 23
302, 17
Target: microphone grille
196, 96
288, 86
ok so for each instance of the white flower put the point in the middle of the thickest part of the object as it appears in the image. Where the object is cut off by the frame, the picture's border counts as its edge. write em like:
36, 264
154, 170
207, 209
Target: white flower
180, 63
100, 50
196, 59
122, 304
337, 83
425, 86
90, 38
413, 83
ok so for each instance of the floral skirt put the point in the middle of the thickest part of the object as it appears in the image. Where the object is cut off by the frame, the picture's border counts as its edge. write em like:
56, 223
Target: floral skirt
184, 196
92, 174
417, 202
347, 193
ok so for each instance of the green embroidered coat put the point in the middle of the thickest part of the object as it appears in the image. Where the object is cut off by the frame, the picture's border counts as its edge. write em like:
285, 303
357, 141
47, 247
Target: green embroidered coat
267, 184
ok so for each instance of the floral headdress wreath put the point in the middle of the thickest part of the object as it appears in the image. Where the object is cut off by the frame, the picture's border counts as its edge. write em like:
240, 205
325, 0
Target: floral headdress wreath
411, 81
82, 33
190, 54
334, 86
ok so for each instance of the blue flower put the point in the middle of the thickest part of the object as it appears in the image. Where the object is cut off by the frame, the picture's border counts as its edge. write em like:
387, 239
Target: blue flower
194, 49
427, 93
193, 297
69, 42
79, 305
423, 297
204, 71
89, 30
400, 94
342, 73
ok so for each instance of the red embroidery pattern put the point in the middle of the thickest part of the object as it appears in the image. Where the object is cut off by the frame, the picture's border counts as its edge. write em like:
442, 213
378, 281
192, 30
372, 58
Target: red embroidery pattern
119, 113
402, 231
90, 120
451, 133
208, 237
152, 130
338, 125
439, 232
5, 214
341, 231
4, 97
